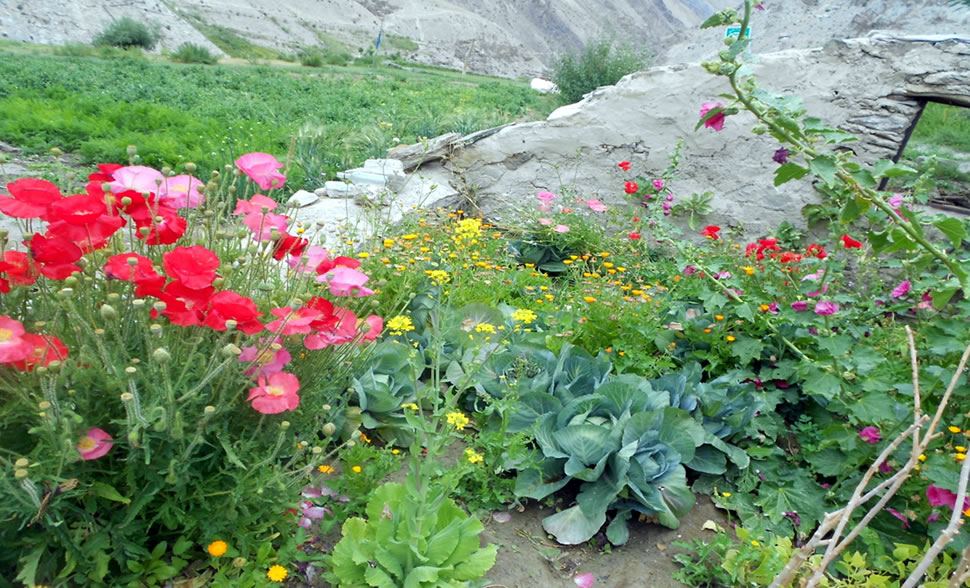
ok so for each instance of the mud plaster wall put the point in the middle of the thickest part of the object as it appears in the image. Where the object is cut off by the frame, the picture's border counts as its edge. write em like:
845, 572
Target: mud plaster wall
873, 87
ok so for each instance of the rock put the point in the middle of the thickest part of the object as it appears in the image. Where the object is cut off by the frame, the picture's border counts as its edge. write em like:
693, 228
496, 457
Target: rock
411, 156
544, 86
302, 199
7, 148
872, 87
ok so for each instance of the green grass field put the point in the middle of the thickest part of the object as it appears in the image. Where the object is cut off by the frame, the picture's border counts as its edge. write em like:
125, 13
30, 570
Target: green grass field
334, 117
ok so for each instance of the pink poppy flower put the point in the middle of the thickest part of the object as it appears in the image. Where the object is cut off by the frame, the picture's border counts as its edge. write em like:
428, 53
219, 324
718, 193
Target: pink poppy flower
262, 225
13, 346
139, 178
343, 330
265, 361
94, 444
344, 281
870, 435
595, 205
716, 122
374, 326
262, 169
901, 290
560, 229
181, 192
293, 322
545, 221
826, 308
307, 263
546, 197
256, 204
275, 395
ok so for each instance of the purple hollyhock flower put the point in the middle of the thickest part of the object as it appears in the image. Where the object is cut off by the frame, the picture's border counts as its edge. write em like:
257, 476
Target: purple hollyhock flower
899, 516
781, 156
870, 435
800, 306
794, 517
826, 308
690, 270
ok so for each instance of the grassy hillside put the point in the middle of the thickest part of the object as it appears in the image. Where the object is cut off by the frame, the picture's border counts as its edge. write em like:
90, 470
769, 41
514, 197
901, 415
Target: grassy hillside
333, 117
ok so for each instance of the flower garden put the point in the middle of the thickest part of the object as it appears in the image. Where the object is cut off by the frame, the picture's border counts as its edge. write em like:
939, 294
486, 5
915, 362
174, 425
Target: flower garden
196, 392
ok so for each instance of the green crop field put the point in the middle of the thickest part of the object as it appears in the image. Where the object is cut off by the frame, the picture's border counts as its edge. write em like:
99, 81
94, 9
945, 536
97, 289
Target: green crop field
327, 119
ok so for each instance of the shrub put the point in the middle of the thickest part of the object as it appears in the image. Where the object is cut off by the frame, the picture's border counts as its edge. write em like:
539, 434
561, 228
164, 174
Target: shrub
192, 53
311, 58
602, 63
128, 32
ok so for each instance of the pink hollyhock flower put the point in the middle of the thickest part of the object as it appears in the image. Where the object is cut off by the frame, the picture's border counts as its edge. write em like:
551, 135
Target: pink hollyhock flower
275, 395
799, 306
560, 229
545, 221
819, 292
899, 516
181, 192
595, 205
772, 308
658, 185
262, 169
870, 435
942, 497
826, 308
139, 178
546, 197
885, 468
690, 270
722, 275
344, 281
814, 276
926, 301
901, 290
13, 346
896, 201
266, 361
716, 122
584, 580
94, 444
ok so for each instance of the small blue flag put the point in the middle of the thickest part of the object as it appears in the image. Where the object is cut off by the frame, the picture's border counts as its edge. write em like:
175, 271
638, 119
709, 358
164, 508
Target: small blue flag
379, 39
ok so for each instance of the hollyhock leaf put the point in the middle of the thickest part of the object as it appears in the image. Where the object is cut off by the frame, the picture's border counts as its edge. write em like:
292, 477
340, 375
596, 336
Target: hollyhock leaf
953, 228
853, 209
825, 167
789, 171
747, 349
885, 168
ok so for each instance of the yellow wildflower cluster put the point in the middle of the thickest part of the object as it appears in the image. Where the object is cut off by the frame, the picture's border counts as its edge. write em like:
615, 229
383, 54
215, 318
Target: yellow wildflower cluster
473, 456
485, 328
457, 419
468, 229
399, 325
438, 276
524, 315
410, 405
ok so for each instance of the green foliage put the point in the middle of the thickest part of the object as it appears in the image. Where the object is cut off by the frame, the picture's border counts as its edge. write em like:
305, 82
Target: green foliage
193, 53
402, 43
601, 63
394, 546
127, 32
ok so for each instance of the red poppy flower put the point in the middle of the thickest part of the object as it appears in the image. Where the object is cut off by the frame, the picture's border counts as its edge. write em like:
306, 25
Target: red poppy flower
624, 165
184, 306
326, 321
850, 243
142, 272
229, 305
631, 187
328, 264
29, 198
20, 269
710, 231
88, 237
194, 266
54, 256
289, 244
43, 350
105, 173
165, 228
634, 235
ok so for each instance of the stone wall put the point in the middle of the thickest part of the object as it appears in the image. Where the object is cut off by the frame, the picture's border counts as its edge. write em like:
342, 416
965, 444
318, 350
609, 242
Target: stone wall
873, 87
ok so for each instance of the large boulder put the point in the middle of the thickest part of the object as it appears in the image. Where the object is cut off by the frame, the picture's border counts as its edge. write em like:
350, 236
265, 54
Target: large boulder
874, 87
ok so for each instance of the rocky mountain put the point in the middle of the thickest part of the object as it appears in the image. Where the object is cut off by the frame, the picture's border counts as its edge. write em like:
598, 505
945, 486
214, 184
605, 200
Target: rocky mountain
502, 37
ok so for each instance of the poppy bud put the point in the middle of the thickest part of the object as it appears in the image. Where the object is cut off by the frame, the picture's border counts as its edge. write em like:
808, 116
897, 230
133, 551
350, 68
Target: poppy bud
65, 292
161, 355
131, 150
329, 429
20, 474
231, 349
108, 312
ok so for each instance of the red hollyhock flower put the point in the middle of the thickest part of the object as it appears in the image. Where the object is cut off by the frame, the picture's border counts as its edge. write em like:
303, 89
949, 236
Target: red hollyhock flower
850, 243
624, 165
228, 305
29, 198
790, 257
710, 231
43, 350
184, 306
289, 244
20, 269
634, 235
631, 187
760, 247
194, 266
166, 231
817, 251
